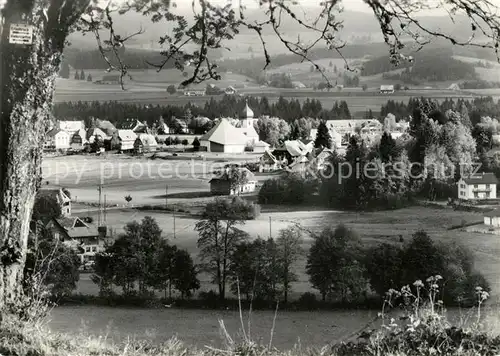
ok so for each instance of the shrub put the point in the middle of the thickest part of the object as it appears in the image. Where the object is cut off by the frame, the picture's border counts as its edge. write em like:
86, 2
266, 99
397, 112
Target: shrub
308, 300
290, 189
196, 144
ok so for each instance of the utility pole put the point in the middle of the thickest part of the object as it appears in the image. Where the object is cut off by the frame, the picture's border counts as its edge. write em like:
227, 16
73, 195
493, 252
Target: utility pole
173, 210
104, 208
166, 196
270, 230
99, 188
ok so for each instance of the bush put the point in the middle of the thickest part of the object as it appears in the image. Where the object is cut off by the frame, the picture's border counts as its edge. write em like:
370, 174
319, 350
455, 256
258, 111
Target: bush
308, 300
196, 144
290, 189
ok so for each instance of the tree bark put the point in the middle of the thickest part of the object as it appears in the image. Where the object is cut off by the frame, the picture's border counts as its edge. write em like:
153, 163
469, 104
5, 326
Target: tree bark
28, 74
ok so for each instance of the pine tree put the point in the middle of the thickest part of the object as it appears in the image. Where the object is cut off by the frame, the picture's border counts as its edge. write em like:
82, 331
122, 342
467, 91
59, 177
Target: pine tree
387, 148
77, 76
82, 75
323, 138
89, 78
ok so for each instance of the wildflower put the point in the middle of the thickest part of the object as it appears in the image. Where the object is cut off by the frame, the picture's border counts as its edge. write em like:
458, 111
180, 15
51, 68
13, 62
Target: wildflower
485, 295
438, 277
434, 286
478, 289
430, 279
418, 283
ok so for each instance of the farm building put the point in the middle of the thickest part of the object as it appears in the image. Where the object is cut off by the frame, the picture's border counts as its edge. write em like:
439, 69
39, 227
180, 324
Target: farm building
62, 199
224, 138
492, 218
221, 185
57, 139
71, 126
145, 143
124, 140
86, 238
387, 89
268, 163
478, 186
162, 128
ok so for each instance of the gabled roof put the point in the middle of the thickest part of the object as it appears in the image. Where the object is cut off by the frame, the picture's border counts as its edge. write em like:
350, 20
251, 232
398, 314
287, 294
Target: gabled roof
76, 228
56, 193
268, 158
225, 134
55, 131
71, 126
484, 178
325, 153
147, 139
294, 148
106, 126
127, 135
95, 132
69, 223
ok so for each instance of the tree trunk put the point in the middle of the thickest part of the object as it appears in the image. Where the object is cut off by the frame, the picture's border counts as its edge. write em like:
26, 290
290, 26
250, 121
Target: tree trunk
27, 76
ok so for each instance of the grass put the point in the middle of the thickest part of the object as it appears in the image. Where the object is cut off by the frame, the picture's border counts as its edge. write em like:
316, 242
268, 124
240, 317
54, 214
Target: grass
420, 328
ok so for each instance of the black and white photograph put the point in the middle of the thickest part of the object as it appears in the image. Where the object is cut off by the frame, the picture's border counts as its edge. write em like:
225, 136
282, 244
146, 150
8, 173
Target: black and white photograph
250, 177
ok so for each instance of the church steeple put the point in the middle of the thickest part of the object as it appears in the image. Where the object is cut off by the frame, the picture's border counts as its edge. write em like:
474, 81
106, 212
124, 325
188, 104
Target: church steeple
247, 112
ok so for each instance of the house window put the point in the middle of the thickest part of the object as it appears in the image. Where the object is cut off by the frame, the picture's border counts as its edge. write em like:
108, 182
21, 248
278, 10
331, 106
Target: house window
476, 195
87, 249
94, 249
487, 194
475, 185
487, 186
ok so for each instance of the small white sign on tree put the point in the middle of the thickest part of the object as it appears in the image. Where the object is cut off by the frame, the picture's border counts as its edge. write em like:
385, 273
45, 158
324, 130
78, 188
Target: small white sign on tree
21, 34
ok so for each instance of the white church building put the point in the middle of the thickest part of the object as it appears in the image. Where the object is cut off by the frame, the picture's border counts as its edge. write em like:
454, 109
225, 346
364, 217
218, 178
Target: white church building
227, 137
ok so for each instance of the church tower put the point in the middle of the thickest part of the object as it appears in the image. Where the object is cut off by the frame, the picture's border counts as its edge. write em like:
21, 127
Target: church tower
247, 117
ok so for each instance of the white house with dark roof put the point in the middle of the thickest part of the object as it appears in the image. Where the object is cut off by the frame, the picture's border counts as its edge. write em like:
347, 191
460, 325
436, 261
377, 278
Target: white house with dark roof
478, 186
71, 126
224, 138
268, 163
124, 140
57, 139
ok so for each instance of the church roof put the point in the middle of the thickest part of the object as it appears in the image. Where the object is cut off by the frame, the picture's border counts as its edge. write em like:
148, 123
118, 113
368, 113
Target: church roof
225, 134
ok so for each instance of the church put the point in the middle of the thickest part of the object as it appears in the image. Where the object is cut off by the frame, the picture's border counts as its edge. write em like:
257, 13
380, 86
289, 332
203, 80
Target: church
227, 137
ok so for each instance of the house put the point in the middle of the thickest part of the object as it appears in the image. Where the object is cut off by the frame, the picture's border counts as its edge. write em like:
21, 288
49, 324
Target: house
86, 238
195, 92
492, 218
57, 139
268, 163
182, 126
124, 140
224, 138
71, 126
145, 143
290, 150
134, 125
63, 200
308, 144
104, 125
371, 128
387, 89
478, 186
79, 140
230, 90
95, 133
221, 184
163, 129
